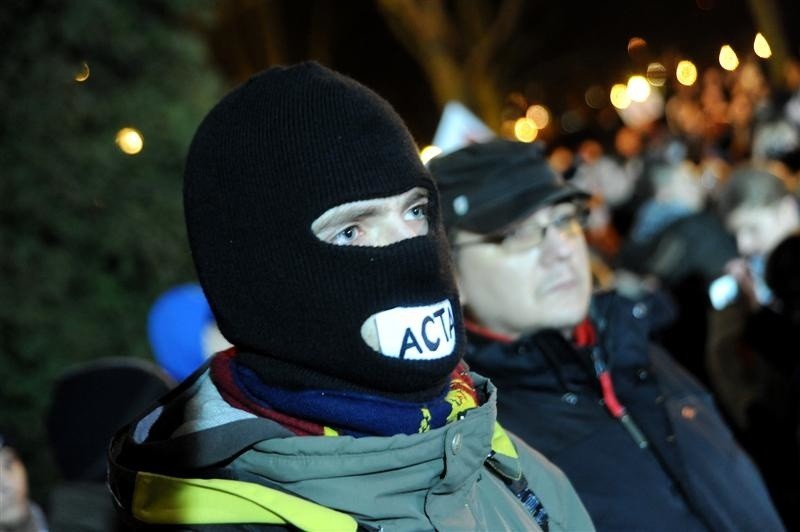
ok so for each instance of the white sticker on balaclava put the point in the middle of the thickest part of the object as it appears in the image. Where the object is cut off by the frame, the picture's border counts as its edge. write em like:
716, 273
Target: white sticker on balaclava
413, 333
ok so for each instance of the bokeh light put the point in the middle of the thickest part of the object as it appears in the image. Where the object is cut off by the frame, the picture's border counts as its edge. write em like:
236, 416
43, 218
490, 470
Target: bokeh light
595, 97
619, 96
428, 153
83, 74
639, 114
539, 115
727, 58
130, 140
572, 121
636, 44
761, 47
686, 73
525, 130
638, 88
656, 74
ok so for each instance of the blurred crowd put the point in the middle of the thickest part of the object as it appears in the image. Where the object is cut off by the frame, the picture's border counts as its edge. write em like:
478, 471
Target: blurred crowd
701, 206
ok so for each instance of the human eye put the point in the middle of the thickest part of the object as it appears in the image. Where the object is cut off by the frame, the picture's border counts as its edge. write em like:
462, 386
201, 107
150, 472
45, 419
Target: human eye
564, 220
582, 215
569, 214
523, 237
346, 236
418, 211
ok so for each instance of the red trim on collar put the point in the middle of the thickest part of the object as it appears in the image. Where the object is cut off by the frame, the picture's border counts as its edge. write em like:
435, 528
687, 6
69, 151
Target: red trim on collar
584, 334
489, 334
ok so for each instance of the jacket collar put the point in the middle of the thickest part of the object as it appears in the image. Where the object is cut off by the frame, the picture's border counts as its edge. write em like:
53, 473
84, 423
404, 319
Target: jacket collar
620, 331
400, 471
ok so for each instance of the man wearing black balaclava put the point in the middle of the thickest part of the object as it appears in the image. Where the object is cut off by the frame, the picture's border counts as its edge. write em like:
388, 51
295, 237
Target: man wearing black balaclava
316, 235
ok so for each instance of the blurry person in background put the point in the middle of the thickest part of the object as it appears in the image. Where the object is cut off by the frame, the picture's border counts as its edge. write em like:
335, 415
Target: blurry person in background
344, 405
17, 512
630, 148
639, 438
182, 331
780, 322
772, 330
760, 212
88, 403
776, 149
783, 278
677, 193
748, 370
684, 246
611, 186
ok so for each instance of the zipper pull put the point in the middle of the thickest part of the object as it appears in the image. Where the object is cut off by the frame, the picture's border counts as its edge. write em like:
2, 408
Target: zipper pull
620, 412
633, 429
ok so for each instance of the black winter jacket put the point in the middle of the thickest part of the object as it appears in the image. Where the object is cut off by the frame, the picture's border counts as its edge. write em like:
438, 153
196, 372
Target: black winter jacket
691, 476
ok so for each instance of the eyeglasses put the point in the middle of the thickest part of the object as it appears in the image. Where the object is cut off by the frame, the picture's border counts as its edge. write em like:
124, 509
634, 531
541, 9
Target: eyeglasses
568, 218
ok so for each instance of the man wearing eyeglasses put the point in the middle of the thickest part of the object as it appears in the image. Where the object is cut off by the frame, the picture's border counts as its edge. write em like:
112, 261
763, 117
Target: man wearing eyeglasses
640, 439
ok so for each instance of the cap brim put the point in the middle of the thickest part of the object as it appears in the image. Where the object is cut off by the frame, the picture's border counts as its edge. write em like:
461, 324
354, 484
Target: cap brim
506, 213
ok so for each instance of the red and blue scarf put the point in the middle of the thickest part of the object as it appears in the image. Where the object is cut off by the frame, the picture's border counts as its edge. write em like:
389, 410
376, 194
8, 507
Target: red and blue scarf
335, 412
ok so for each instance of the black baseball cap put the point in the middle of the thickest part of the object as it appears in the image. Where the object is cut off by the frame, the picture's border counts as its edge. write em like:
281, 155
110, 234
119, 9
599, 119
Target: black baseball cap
486, 187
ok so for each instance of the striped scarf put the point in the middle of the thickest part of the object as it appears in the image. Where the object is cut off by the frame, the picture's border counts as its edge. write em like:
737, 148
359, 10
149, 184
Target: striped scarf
336, 412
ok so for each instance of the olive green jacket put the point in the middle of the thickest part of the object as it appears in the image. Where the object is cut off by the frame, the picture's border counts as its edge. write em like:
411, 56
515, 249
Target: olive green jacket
197, 462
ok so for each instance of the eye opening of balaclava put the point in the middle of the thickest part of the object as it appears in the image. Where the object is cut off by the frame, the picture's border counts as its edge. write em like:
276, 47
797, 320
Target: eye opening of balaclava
375, 221
270, 158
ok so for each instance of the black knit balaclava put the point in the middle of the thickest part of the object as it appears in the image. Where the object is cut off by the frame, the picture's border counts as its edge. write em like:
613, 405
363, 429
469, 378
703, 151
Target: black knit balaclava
270, 158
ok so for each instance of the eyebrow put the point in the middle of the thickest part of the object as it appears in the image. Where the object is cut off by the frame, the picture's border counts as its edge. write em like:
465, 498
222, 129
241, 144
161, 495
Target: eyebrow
345, 213
418, 195
342, 214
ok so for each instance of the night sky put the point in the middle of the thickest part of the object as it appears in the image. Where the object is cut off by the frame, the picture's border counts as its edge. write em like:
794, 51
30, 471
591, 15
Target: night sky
556, 52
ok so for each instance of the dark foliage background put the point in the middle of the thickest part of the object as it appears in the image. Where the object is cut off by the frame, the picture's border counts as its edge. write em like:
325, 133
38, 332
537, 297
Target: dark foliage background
89, 235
